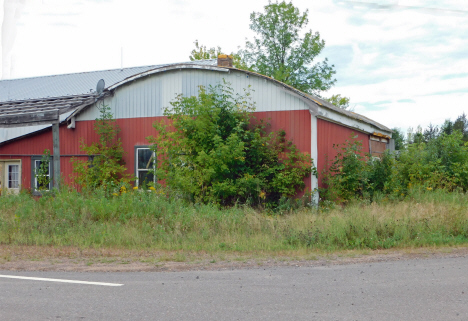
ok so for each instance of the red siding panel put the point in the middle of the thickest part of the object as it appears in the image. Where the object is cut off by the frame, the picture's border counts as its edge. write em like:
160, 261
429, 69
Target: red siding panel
134, 132
329, 134
296, 124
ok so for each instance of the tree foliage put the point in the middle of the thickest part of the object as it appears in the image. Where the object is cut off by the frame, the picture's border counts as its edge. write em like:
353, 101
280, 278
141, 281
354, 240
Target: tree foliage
339, 101
282, 50
201, 52
399, 137
106, 168
212, 150
441, 163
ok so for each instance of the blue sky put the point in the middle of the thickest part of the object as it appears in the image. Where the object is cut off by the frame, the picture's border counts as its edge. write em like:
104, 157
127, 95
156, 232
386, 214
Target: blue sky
402, 62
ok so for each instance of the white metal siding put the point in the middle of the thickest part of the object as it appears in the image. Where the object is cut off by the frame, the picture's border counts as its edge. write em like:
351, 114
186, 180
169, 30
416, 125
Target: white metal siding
147, 97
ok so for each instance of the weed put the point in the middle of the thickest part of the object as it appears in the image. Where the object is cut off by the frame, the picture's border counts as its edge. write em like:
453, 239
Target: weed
136, 220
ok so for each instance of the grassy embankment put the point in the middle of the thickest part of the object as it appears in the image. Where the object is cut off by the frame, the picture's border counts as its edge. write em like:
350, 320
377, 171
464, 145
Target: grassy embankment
148, 221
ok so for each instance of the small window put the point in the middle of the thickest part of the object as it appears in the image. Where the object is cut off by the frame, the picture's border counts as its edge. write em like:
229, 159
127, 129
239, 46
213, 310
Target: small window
42, 177
144, 166
13, 176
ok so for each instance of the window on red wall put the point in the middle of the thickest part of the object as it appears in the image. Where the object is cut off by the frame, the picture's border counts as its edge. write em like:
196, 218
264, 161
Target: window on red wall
144, 166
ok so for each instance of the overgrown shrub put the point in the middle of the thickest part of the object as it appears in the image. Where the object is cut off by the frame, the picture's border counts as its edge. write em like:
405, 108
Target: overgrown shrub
346, 176
441, 163
106, 168
212, 150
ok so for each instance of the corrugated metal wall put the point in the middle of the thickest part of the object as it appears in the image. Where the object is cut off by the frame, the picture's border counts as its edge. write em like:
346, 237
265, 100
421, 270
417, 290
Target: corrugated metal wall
147, 97
329, 134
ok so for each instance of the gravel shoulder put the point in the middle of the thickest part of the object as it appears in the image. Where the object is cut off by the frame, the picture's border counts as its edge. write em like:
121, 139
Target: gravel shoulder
34, 258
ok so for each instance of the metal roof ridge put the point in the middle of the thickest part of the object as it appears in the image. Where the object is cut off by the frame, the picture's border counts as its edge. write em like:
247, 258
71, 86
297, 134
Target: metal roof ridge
162, 68
103, 70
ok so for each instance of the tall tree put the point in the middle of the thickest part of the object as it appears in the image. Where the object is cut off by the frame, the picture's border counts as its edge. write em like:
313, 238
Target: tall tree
399, 138
431, 132
447, 127
280, 51
461, 124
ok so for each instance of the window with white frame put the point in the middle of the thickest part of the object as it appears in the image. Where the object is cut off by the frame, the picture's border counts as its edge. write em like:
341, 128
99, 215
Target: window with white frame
13, 176
144, 165
42, 174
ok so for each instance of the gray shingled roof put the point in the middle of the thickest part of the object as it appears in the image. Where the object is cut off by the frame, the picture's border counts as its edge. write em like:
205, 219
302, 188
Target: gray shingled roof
63, 104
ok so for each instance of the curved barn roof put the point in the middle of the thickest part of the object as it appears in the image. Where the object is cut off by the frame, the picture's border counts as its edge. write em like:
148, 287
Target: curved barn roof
44, 92
311, 98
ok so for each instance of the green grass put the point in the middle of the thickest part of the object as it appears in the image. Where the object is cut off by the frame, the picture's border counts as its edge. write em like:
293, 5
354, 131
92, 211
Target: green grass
140, 220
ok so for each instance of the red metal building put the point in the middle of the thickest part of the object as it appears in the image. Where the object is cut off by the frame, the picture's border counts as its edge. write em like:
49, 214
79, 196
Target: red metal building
138, 96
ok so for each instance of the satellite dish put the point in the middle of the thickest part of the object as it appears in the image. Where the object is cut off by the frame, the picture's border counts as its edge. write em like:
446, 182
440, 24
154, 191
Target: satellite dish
100, 86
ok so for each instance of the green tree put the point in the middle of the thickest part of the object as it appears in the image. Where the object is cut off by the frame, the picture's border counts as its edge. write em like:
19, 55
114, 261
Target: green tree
447, 127
282, 51
106, 168
430, 133
399, 138
461, 124
339, 101
201, 52
212, 150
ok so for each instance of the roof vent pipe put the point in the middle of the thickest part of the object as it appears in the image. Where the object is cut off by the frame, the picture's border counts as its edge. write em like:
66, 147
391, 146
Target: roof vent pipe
224, 61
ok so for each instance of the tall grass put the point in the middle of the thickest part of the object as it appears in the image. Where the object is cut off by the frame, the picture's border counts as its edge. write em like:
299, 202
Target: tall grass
138, 220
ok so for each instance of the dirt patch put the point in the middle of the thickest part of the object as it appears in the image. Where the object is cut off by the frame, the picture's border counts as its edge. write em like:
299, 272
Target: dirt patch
37, 258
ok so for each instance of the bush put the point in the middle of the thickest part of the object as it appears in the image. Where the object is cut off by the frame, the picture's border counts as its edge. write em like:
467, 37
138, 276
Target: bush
212, 150
441, 163
106, 168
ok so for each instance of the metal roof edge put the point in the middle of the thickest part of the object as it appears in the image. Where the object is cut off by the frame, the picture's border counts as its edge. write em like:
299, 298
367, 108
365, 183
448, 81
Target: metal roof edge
95, 71
322, 103
163, 69
316, 101
108, 91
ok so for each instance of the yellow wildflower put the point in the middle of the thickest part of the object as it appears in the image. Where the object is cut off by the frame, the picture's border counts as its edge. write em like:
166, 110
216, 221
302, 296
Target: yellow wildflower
429, 188
135, 188
115, 194
152, 188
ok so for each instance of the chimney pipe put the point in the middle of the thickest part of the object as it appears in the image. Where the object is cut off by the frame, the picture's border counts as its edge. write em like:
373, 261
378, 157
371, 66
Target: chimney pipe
224, 61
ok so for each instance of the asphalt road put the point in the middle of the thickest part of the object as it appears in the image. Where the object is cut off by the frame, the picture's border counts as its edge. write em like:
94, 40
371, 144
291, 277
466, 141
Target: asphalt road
422, 289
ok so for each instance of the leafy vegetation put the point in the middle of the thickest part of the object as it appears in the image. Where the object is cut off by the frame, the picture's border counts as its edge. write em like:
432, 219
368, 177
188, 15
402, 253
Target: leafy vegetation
106, 168
201, 52
441, 163
283, 50
42, 173
151, 220
339, 101
212, 150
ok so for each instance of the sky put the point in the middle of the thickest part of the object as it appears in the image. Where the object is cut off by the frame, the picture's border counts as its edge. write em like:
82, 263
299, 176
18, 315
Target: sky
402, 63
